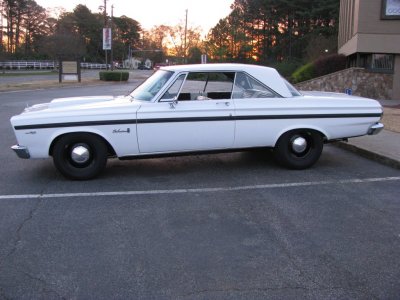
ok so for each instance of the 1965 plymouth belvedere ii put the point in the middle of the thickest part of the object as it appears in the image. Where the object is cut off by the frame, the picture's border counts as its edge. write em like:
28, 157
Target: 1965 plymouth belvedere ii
193, 108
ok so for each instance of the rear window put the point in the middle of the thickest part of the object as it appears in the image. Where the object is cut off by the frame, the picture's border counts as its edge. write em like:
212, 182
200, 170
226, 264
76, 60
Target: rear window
292, 89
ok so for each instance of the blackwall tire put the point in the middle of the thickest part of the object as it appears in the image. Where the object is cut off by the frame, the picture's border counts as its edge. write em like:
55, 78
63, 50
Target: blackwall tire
299, 149
80, 156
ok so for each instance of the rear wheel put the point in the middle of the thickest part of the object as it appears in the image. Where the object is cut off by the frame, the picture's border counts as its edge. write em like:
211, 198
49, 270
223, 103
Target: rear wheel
80, 156
299, 149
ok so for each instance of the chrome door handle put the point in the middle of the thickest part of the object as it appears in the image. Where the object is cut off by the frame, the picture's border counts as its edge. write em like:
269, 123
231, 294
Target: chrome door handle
226, 103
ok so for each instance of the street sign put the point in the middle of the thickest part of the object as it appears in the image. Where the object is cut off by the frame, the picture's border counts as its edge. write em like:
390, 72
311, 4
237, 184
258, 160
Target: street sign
69, 71
348, 91
106, 38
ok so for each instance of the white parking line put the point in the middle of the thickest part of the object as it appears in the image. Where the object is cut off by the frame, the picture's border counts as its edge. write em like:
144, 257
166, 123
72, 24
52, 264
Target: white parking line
199, 190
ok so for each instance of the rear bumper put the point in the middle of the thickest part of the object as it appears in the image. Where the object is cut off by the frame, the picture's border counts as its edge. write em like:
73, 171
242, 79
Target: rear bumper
375, 129
21, 151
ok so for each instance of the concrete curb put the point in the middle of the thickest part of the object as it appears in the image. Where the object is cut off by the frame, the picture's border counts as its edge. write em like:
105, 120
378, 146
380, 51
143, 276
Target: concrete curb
369, 154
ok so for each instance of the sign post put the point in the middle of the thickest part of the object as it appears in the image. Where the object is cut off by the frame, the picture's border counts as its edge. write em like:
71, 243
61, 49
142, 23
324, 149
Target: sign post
69, 71
106, 41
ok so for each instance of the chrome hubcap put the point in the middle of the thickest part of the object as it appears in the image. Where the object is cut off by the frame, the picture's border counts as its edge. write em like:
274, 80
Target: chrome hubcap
299, 145
80, 154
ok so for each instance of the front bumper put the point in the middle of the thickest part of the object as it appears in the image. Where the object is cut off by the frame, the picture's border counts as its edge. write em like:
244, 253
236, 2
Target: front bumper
21, 151
375, 129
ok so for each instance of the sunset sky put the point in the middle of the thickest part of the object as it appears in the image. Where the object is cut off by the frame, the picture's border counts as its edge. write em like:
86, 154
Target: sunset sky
203, 13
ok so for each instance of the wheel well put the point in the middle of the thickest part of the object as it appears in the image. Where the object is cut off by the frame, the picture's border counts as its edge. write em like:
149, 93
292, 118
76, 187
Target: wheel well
324, 137
110, 149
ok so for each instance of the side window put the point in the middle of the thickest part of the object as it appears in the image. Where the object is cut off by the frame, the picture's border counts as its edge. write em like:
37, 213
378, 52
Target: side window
220, 85
247, 87
207, 86
173, 90
194, 86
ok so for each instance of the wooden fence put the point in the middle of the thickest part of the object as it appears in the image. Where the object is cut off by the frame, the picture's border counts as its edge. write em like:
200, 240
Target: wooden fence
42, 65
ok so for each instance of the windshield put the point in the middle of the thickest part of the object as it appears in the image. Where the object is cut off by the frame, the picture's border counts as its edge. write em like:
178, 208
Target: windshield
148, 89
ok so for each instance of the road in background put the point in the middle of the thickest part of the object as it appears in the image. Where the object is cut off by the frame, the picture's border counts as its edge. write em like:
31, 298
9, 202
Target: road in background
214, 226
47, 78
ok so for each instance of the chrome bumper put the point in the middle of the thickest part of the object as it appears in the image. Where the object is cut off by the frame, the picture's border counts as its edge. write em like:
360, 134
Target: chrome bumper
375, 129
21, 151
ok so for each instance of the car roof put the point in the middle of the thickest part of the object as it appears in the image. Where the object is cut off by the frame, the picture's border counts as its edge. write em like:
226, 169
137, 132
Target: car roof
269, 76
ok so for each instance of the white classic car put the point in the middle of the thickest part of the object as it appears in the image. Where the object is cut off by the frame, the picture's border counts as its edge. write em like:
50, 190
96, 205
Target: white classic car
193, 108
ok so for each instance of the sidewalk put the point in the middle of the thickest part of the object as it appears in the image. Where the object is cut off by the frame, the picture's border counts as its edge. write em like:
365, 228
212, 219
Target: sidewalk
385, 146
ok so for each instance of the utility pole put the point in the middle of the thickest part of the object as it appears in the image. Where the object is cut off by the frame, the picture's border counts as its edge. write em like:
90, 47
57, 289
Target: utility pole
1, 25
184, 49
105, 26
1, 33
112, 24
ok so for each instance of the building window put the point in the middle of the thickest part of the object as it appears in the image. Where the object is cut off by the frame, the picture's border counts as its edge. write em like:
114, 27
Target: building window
390, 9
382, 62
374, 62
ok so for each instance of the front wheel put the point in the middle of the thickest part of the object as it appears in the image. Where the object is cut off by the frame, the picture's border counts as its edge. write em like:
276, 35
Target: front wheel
299, 149
80, 156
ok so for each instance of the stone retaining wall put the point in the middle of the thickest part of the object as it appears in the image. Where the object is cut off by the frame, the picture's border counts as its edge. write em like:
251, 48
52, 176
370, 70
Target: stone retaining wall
361, 81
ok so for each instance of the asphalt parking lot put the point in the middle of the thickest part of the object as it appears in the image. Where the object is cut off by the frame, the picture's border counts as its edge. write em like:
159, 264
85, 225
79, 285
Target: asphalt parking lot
223, 226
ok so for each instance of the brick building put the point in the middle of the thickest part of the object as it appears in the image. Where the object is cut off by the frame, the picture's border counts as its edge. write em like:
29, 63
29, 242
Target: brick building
369, 35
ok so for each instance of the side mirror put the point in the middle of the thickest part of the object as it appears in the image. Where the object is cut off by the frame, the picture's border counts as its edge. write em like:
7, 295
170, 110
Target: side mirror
174, 102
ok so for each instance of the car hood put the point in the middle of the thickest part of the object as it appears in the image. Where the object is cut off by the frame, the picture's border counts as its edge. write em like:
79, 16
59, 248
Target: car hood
60, 103
78, 109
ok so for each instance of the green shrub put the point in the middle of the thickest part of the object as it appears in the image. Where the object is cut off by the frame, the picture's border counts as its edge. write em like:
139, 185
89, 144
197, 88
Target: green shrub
114, 75
320, 67
303, 73
286, 68
329, 64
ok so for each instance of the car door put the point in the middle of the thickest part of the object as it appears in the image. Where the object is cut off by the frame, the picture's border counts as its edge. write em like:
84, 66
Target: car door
254, 104
194, 114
